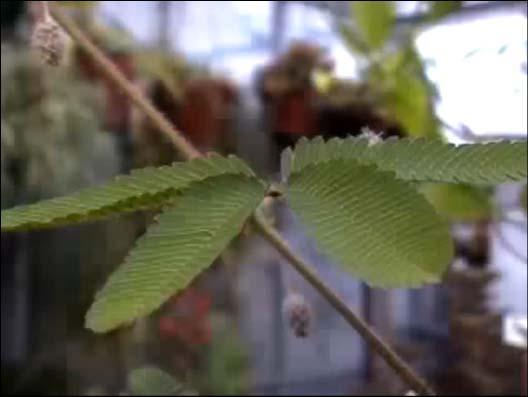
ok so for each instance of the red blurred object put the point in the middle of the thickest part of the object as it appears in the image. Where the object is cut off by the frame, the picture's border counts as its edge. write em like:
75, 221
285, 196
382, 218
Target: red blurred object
205, 111
188, 318
295, 114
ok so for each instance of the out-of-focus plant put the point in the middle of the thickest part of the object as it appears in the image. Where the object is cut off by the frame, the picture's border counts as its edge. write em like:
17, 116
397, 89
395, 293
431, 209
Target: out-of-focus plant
152, 381
391, 66
52, 141
148, 381
225, 369
227, 364
438, 10
394, 75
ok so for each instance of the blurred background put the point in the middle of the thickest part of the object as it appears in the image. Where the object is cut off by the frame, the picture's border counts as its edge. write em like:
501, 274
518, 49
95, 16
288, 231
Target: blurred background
251, 78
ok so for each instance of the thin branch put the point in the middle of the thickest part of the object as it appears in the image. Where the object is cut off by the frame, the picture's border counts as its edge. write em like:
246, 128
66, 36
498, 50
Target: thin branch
375, 342
106, 66
271, 235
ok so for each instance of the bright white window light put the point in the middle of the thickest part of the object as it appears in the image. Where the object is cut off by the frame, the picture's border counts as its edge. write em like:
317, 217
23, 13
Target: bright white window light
479, 66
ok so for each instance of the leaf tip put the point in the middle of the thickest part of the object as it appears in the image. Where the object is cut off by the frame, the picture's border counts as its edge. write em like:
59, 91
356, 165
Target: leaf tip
91, 324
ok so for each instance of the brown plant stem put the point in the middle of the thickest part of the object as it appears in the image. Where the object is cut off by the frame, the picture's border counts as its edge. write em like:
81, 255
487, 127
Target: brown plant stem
375, 342
270, 234
106, 66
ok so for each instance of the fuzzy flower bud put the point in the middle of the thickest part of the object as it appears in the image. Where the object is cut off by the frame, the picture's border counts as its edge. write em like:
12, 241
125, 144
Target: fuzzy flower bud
298, 314
49, 41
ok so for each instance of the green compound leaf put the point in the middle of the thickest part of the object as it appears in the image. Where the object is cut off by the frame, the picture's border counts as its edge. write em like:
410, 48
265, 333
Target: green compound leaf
377, 227
184, 242
422, 160
143, 189
150, 381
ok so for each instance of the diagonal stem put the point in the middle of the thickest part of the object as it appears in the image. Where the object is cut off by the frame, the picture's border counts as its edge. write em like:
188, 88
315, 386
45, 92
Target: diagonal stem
268, 232
375, 342
108, 68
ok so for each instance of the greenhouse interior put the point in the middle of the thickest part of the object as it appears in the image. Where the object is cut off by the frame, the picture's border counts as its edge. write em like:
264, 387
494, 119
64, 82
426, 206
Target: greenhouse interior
199, 199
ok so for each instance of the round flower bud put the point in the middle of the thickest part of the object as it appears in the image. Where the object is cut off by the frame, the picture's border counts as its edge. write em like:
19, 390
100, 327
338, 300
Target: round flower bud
49, 41
298, 314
